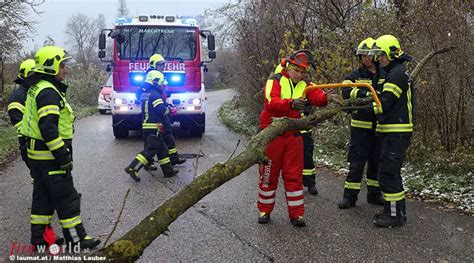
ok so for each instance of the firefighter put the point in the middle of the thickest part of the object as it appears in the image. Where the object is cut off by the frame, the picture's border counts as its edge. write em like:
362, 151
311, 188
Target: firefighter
283, 98
394, 127
16, 104
157, 62
154, 111
309, 170
48, 129
362, 147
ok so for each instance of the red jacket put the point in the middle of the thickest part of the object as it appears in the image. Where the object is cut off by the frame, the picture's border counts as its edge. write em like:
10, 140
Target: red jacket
278, 107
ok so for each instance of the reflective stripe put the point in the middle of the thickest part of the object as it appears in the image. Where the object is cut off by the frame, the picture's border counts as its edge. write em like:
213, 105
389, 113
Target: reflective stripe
74, 235
304, 131
296, 203
266, 201
48, 109
409, 106
394, 127
41, 219
157, 102
266, 193
361, 124
18, 126
40, 155
268, 90
172, 150
377, 109
56, 172
164, 161
353, 93
381, 81
70, 222
151, 125
16, 105
294, 193
350, 185
397, 91
393, 208
309, 171
142, 159
374, 183
394, 197
55, 144
368, 81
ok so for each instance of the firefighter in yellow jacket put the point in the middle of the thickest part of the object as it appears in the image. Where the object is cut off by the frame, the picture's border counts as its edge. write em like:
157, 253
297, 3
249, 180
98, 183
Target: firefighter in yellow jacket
394, 128
48, 129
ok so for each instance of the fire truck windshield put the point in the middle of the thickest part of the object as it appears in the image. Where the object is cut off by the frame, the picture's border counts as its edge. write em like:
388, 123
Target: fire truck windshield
171, 42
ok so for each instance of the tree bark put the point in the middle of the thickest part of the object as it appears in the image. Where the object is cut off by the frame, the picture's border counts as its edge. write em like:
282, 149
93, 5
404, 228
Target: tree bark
131, 245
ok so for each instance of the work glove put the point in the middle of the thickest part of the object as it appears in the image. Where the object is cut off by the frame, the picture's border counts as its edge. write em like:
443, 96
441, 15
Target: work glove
298, 104
64, 157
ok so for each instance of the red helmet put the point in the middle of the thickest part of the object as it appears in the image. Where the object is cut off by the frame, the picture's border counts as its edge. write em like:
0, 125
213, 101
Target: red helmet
300, 58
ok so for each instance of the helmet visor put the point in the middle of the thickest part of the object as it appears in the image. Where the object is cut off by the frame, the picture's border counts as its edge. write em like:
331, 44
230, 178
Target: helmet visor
362, 51
376, 52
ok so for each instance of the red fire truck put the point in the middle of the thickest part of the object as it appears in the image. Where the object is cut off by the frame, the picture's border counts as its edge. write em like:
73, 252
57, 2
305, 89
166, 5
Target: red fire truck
179, 41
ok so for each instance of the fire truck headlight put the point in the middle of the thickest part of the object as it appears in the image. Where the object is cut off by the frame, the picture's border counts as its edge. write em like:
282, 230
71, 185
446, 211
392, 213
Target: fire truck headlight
118, 101
196, 101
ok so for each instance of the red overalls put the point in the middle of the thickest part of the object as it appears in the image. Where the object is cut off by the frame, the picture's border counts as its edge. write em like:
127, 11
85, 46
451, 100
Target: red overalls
285, 152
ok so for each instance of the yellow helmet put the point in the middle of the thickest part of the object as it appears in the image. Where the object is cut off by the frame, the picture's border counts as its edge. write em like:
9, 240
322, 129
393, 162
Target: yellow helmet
25, 68
49, 58
155, 60
364, 46
389, 45
154, 75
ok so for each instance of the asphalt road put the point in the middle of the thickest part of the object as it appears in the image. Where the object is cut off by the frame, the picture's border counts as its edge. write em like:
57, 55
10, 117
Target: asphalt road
223, 226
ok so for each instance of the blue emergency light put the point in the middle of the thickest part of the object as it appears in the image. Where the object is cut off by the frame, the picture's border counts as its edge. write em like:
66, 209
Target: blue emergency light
136, 78
175, 78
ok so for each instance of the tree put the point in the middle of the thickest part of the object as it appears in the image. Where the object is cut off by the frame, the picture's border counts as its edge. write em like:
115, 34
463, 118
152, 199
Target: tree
82, 34
122, 9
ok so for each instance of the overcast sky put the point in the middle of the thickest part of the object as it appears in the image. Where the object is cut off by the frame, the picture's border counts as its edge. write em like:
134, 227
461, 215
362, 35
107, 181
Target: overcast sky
53, 20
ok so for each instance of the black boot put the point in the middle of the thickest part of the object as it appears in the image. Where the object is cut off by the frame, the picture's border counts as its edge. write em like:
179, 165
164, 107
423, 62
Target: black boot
375, 198
374, 195
150, 167
298, 222
133, 168
389, 218
168, 170
346, 203
175, 159
312, 190
264, 218
88, 242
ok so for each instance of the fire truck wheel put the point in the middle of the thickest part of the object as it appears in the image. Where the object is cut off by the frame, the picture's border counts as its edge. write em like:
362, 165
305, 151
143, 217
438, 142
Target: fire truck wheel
120, 132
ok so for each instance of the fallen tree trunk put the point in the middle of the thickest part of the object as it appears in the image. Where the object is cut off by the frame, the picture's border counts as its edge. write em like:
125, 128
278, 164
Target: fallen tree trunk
131, 245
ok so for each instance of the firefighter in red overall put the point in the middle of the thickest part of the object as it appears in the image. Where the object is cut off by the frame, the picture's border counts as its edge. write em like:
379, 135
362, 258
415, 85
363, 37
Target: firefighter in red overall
283, 98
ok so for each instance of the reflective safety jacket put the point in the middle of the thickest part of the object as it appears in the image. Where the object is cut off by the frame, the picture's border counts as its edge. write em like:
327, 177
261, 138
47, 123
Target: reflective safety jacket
154, 108
16, 105
280, 92
396, 113
363, 119
48, 121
